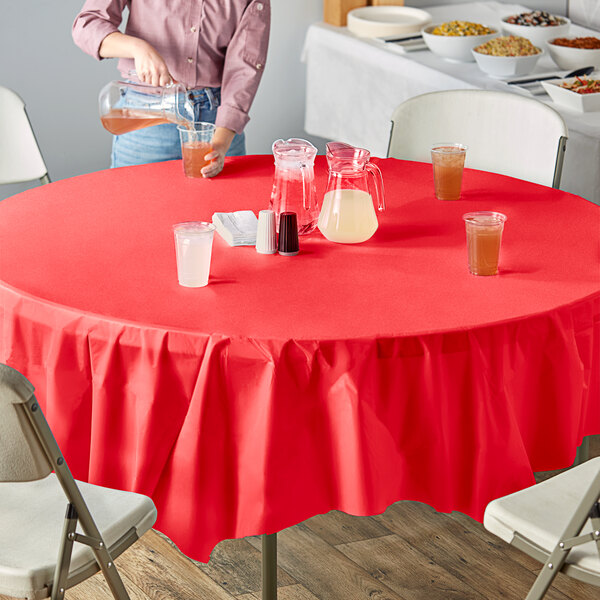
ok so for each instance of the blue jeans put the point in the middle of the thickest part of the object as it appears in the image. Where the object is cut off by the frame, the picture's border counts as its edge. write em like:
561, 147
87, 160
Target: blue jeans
161, 142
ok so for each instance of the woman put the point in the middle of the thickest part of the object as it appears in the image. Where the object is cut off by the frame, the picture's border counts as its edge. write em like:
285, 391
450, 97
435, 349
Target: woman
216, 48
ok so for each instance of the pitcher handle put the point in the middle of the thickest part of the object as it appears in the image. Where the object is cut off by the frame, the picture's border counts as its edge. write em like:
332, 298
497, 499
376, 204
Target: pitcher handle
377, 185
306, 191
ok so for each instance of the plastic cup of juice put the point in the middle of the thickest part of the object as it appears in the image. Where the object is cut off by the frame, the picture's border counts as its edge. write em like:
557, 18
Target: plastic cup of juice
196, 143
484, 236
193, 250
448, 161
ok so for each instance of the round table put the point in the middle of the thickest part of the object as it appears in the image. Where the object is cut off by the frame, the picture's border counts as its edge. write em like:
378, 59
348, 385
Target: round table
347, 377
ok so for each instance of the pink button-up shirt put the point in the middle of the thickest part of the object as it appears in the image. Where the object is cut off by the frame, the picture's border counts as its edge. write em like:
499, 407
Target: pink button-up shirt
205, 43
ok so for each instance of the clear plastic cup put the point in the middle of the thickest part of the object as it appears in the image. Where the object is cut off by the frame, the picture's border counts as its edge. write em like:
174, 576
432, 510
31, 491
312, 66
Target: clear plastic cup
448, 161
193, 249
484, 237
196, 143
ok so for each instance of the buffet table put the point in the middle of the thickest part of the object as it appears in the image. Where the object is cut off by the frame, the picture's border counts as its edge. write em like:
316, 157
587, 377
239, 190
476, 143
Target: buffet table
347, 377
354, 84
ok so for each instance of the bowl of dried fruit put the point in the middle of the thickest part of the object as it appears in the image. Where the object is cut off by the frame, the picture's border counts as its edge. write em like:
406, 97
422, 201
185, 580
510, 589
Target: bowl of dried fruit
538, 26
575, 52
454, 40
507, 56
581, 94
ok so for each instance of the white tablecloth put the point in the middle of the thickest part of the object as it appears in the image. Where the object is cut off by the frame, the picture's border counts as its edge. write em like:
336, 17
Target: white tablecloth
354, 84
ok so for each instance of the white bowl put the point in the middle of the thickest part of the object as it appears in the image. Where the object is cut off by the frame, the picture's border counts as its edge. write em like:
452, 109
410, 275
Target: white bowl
537, 34
571, 99
382, 21
506, 66
454, 48
573, 58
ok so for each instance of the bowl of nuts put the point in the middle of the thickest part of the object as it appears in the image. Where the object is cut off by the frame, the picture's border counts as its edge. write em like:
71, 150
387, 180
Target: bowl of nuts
575, 52
537, 26
454, 40
507, 56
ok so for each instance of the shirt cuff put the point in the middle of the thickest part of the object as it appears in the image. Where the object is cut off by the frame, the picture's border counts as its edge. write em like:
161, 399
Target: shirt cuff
232, 118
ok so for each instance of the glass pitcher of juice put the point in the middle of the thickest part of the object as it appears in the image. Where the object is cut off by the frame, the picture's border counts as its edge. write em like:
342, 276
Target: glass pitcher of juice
348, 215
294, 187
126, 106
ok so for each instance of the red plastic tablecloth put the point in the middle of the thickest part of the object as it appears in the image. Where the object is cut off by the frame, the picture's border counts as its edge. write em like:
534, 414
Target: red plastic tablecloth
348, 377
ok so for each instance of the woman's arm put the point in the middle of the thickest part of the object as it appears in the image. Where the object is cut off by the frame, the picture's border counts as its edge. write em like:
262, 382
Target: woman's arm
149, 65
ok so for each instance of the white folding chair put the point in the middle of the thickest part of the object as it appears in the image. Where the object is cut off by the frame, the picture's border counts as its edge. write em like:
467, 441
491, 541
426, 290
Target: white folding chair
42, 551
20, 156
505, 133
556, 522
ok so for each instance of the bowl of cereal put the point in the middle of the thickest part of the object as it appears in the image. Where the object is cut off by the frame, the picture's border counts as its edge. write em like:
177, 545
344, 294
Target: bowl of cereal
454, 40
575, 52
580, 94
507, 56
538, 26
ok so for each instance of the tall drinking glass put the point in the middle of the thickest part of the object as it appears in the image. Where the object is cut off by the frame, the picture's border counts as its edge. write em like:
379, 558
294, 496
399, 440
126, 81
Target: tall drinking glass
448, 161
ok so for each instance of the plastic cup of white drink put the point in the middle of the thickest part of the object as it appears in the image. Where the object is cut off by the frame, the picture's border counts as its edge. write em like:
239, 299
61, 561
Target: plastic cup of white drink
193, 248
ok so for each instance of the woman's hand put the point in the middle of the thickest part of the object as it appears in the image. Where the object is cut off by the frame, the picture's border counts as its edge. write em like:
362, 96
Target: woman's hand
149, 64
221, 141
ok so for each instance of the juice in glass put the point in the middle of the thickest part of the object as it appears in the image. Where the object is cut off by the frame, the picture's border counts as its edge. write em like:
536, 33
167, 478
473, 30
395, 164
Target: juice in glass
484, 236
448, 163
193, 250
196, 143
193, 154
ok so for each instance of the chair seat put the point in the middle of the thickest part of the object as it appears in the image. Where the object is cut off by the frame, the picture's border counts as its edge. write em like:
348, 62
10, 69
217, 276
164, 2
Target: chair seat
540, 514
31, 522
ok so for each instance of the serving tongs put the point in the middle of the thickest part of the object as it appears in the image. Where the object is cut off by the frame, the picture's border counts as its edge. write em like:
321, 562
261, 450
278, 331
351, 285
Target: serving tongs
575, 73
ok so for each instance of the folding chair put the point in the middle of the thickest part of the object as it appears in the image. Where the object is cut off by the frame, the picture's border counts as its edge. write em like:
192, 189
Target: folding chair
41, 553
556, 522
505, 133
20, 156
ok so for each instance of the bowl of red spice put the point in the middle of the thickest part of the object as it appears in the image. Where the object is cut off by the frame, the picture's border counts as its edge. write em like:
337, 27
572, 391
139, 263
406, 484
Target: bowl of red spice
574, 52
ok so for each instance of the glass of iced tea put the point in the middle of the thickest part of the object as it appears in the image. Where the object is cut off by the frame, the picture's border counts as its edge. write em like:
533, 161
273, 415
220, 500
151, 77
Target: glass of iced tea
448, 162
484, 235
196, 143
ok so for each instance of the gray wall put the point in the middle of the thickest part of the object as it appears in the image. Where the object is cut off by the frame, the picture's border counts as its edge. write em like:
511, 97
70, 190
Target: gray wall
60, 84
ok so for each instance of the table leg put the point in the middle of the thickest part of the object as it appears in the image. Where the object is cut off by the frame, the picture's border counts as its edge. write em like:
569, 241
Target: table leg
269, 567
583, 452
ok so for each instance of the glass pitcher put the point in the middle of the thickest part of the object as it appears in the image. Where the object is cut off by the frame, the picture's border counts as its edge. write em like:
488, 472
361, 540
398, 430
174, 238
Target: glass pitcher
348, 215
294, 183
128, 106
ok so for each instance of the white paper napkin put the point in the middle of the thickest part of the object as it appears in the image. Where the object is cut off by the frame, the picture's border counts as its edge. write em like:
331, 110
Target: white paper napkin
237, 228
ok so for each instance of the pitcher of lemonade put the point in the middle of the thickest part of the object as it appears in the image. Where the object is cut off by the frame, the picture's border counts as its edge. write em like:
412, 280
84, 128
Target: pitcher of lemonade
348, 214
294, 183
126, 106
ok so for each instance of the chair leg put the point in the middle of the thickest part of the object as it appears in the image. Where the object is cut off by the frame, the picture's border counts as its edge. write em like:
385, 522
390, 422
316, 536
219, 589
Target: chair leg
269, 567
61, 572
543, 582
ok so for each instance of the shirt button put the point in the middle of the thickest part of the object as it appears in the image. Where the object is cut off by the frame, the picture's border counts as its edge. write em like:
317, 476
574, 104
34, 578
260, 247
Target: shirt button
193, 29
259, 66
190, 59
259, 6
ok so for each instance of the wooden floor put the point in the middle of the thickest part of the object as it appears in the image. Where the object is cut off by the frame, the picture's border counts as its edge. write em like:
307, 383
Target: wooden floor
408, 553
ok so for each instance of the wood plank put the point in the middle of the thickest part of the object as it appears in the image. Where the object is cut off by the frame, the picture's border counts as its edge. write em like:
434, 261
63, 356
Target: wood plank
405, 570
96, 587
237, 566
337, 527
162, 572
290, 592
480, 564
325, 571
